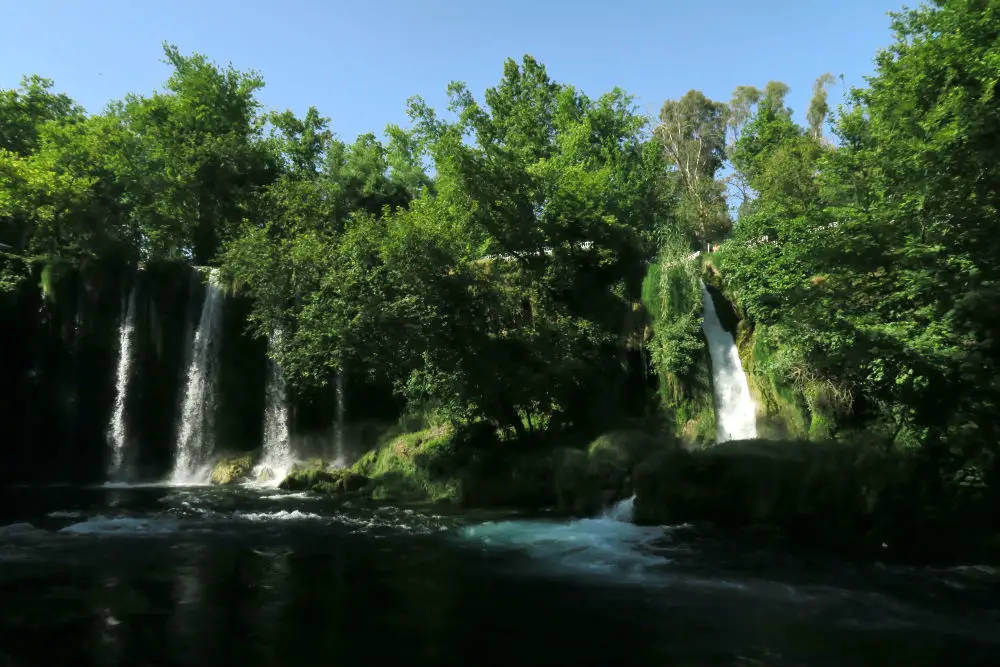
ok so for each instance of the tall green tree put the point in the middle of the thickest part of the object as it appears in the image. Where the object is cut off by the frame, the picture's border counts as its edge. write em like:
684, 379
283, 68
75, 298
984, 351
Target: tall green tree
197, 159
692, 131
23, 112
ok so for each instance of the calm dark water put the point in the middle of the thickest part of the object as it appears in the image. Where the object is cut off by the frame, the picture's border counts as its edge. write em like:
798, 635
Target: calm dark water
202, 576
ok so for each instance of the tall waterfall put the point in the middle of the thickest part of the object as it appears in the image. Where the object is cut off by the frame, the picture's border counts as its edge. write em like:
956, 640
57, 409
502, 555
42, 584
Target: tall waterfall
339, 456
117, 433
735, 412
277, 455
196, 437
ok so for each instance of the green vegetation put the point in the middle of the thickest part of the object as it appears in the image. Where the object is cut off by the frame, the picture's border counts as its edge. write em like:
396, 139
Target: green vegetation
678, 349
414, 466
316, 477
470, 467
862, 275
232, 469
840, 495
502, 271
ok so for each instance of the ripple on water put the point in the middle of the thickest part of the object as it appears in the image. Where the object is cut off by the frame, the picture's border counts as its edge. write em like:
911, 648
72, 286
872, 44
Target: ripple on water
282, 515
123, 525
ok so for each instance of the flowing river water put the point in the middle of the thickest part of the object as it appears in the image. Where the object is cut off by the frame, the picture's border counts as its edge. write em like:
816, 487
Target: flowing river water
171, 575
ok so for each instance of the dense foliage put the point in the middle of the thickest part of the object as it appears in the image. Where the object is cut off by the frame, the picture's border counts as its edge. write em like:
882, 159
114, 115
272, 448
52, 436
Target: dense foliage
484, 265
489, 264
871, 268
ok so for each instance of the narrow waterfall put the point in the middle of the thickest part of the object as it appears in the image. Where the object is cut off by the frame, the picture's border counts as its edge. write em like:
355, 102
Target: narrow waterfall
339, 456
117, 430
195, 439
277, 455
735, 412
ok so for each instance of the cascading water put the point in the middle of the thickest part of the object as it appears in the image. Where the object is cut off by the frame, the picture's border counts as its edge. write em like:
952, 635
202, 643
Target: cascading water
339, 457
277, 455
735, 412
117, 430
195, 439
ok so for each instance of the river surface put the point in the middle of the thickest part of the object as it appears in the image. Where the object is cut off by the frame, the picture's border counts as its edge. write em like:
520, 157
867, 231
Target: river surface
146, 576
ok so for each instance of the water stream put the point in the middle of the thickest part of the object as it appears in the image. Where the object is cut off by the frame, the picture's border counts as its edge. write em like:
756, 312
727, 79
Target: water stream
258, 577
276, 458
117, 428
339, 457
735, 412
195, 439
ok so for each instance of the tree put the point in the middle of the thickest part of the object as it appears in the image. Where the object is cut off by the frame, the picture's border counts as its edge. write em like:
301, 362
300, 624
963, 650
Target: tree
24, 111
692, 131
196, 162
499, 292
818, 105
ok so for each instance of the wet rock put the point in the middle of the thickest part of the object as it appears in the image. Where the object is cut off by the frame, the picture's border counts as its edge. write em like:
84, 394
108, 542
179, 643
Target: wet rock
232, 469
318, 480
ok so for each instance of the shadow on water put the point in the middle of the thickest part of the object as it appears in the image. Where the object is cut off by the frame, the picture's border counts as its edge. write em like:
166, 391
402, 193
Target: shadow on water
169, 576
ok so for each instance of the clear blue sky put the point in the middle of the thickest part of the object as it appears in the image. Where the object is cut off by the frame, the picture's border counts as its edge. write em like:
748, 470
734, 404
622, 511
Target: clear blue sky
358, 61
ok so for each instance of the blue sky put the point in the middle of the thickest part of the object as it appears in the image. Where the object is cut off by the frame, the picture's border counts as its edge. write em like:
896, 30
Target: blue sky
359, 61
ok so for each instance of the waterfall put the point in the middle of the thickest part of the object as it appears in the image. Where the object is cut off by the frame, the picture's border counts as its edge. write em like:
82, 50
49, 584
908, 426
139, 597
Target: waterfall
735, 412
339, 457
117, 433
277, 455
195, 439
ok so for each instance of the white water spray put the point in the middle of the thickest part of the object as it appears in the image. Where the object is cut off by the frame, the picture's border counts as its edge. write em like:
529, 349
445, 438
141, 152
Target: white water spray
276, 459
196, 438
117, 429
735, 412
339, 457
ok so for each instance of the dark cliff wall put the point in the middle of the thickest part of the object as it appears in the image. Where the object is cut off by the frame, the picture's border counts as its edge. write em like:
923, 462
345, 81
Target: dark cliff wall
58, 356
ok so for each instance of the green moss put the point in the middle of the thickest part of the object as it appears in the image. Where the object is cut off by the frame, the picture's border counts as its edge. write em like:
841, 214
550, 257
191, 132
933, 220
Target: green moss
414, 466
672, 296
232, 469
318, 479
468, 466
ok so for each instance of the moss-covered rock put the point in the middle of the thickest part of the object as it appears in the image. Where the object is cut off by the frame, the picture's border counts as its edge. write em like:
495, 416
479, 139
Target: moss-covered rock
588, 480
233, 469
413, 467
468, 466
838, 495
319, 479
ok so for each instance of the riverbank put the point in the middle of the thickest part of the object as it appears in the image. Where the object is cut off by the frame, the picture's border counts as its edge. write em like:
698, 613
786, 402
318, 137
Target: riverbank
469, 467
853, 500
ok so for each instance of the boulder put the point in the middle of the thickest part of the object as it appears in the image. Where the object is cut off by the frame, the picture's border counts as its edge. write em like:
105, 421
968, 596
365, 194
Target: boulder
232, 469
338, 481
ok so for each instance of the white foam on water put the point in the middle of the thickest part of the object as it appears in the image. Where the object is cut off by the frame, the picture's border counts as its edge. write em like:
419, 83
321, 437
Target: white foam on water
301, 495
281, 515
61, 514
122, 525
606, 545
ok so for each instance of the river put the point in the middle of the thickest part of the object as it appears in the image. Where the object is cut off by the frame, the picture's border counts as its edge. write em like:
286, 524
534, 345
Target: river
166, 575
